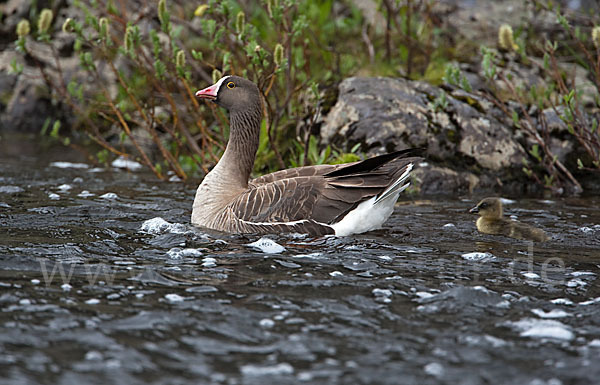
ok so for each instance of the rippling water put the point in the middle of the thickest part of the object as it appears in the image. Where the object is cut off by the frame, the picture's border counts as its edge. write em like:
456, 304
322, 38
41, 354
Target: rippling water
102, 280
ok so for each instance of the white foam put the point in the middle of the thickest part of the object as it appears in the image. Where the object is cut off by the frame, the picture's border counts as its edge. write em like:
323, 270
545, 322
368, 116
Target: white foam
266, 323
109, 195
434, 369
576, 282
382, 292
543, 329
562, 301
209, 262
174, 298
93, 301
424, 294
122, 162
590, 302
580, 273
382, 295
595, 343
554, 313
178, 253
160, 226
68, 165
311, 255
477, 256
267, 246
85, 194
65, 187
530, 275
273, 370
53, 196
589, 230
10, 189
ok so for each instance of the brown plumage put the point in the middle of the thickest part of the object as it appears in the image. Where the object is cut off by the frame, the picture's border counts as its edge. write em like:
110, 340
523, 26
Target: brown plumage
312, 199
491, 221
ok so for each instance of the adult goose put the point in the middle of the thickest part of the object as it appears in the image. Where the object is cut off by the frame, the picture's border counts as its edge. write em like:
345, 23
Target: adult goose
490, 221
319, 200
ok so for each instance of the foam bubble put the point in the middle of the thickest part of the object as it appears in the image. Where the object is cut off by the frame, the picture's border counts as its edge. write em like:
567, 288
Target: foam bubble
267, 246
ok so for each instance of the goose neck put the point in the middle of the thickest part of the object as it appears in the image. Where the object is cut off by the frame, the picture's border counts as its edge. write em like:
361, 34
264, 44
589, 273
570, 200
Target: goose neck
241, 148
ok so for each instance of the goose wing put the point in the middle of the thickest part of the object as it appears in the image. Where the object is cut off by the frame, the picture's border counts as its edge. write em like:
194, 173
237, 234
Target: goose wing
318, 196
296, 172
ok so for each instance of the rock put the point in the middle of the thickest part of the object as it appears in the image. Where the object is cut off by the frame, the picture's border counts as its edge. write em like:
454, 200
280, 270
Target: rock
28, 107
468, 147
7, 78
471, 19
436, 180
375, 111
13, 11
554, 123
486, 140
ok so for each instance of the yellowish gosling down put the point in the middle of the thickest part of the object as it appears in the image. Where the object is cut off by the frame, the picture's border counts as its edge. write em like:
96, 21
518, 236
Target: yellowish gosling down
490, 221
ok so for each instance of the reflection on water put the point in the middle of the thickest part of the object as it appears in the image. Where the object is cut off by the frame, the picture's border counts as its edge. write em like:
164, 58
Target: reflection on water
104, 281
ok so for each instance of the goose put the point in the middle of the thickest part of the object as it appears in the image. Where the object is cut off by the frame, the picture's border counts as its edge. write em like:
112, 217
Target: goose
318, 200
492, 222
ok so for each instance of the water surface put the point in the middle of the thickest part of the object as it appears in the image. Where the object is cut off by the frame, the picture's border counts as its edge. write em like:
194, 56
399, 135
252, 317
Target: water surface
95, 290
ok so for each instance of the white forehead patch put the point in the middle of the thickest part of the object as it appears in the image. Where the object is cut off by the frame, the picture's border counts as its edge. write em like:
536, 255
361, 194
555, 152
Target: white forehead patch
218, 84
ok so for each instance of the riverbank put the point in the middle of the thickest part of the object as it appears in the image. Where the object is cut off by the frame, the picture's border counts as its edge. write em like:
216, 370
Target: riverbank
497, 120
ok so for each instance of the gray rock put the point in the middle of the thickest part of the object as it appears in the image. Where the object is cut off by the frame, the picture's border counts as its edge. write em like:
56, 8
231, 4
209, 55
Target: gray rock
28, 108
388, 114
436, 180
13, 11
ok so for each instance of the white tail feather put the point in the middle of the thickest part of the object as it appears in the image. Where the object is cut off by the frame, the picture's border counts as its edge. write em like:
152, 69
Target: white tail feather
370, 214
397, 187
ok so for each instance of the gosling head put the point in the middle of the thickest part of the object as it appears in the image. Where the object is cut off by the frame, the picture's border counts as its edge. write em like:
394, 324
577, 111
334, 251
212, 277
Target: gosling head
489, 208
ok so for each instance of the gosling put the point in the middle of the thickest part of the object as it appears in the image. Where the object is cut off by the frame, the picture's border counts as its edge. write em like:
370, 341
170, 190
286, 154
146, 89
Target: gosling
490, 221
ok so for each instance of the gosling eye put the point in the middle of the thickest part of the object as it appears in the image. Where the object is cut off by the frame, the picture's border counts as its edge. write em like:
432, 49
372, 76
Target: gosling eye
483, 205
230, 85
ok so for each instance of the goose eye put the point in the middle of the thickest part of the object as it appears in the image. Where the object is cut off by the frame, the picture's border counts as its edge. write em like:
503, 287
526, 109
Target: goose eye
483, 205
230, 85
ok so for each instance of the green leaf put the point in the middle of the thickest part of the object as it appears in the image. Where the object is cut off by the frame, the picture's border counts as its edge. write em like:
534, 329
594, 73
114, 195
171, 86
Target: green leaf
515, 118
103, 156
535, 152
197, 55
15, 67
55, 129
45, 126
160, 69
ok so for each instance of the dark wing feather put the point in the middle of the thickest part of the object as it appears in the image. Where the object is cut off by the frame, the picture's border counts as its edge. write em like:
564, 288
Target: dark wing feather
373, 163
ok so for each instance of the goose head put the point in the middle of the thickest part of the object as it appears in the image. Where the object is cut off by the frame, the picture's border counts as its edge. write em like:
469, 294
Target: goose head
488, 208
234, 93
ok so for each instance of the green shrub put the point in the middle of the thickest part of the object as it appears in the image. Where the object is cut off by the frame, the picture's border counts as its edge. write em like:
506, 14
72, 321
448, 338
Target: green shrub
141, 71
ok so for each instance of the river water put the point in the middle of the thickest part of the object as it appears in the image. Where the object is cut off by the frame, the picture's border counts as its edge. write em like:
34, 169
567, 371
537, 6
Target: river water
103, 280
